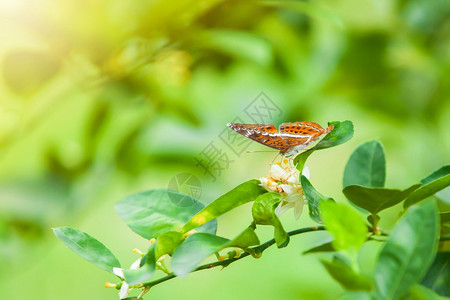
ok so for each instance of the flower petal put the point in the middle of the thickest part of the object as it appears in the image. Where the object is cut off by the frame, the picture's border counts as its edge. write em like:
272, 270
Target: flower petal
283, 206
136, 264
293, 198
118, 272
263, 181
288, 189
124, 290
305, 171
298, 208
276, 172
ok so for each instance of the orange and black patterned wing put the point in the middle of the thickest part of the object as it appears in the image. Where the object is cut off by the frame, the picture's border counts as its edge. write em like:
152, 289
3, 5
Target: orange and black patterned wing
302, 133
265, 134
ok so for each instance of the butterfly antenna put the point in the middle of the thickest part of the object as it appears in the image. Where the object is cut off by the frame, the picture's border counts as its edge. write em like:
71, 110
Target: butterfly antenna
255, 151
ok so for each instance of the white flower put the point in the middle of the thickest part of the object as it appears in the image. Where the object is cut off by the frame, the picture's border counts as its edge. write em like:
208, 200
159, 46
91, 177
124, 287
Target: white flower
125, 289
284, 179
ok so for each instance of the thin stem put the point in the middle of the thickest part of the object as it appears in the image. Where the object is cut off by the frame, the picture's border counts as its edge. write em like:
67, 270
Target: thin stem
258, 250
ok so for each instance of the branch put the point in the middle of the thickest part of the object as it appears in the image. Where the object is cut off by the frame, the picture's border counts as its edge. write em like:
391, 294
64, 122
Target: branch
258, 250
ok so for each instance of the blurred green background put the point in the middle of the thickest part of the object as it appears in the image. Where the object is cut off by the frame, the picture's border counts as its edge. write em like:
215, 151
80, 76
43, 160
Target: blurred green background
100, 99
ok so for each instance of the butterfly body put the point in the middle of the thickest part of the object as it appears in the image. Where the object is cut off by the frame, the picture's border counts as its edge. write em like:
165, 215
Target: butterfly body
289, 139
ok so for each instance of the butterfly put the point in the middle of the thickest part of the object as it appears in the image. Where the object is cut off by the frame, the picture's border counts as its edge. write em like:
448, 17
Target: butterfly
289, 139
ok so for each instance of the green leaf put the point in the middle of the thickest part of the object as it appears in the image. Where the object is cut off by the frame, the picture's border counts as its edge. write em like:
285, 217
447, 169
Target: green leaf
419, 292
433, 183
445, 225
314, 199
366, 166
243, 193
445, 170
194, 250
341, 133
87, 247
167, 243
438, 275
199, 246
246, 239
408, 252
145, 270
345, 225
357, 296
325, 247
156, 212
376, 199
346, 276
263, 212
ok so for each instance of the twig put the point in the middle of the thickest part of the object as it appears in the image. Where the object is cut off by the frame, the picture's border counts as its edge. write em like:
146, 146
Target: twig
258, 250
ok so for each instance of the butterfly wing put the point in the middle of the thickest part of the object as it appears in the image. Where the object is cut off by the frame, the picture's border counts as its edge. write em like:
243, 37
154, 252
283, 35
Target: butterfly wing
265, 134
302, 133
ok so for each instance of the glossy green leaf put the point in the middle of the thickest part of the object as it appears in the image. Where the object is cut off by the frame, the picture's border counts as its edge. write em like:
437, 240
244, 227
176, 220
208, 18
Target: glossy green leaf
246, 239
433, 183
419, 292
263, 211
375, 199
87, 247
345, 225
199, 246
357, 295
408, 252
145, 270
438, 275
346, 276
167, 243
325, 247
341, 133
243, 193
443, 195
314, 199
156, 212
194, 250
445, 226
445, 170
366, 166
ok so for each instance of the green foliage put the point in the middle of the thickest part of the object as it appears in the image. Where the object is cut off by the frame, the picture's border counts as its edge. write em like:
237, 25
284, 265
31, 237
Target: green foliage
375, 200
432, 184
357, 296
245, 239
167, 243
341, 133
199, 246
153, 213
146, 268
195, 249
243, 193
366, 166
346, 226
100, 98
184, 229
438, 276
263, 212
346, 276
419, 292
409, 251
325, 247
314, 199
87, 247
